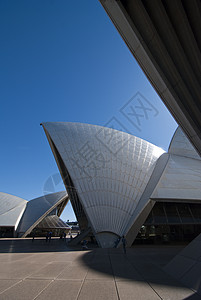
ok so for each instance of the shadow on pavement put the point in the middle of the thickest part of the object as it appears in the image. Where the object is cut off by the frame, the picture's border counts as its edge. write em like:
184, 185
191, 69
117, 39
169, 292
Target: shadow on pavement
37, 245
140, 264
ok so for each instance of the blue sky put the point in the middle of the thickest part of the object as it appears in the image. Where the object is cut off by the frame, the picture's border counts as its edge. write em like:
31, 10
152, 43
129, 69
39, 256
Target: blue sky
64, 61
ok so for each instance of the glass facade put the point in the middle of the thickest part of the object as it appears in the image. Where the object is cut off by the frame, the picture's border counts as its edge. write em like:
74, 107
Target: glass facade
171, 222
6, 232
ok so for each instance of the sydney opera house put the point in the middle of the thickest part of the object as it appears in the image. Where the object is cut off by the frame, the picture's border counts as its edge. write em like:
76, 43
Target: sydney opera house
20, 218
118, 184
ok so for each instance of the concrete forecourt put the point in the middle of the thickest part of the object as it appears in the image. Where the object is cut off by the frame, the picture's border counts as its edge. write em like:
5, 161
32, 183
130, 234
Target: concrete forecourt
39, 270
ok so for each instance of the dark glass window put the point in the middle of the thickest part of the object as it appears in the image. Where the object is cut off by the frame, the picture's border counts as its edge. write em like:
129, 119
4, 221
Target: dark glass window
150, 219
184, 213
196, 211
172, 214
6, 232
159, 214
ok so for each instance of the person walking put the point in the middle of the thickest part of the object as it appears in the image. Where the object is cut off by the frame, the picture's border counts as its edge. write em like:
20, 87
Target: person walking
84, 245
50, 236
33, 235
116, 242
124, 242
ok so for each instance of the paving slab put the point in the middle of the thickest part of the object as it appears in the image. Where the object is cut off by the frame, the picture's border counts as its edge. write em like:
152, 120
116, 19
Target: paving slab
167, 292
19, 271
83, 257
100, 270
74, 271
152, 273
7, 283
67, 256
123, 270
18, 257
43, 258
50, 271
25, 290
129, 290
61, 290
98, 290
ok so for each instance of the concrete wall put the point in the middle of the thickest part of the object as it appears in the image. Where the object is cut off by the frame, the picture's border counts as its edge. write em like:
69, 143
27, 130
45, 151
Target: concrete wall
186, 266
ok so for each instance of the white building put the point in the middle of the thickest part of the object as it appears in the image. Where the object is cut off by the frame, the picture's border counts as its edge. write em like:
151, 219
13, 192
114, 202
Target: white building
19, 217
114, 179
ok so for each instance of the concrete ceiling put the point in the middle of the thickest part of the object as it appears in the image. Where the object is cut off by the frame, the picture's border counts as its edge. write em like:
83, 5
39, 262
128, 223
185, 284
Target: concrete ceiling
164, 37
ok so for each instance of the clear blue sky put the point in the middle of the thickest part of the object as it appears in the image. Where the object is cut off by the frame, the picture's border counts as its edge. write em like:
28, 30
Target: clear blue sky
63, 61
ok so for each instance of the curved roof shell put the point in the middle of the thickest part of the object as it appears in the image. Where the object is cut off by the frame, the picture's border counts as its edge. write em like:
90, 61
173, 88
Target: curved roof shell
180, 145
11, 209
109, 170
37, 209
181, 178
53, 221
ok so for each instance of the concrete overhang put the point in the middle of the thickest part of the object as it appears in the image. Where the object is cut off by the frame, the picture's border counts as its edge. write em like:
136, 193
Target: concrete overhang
164, 37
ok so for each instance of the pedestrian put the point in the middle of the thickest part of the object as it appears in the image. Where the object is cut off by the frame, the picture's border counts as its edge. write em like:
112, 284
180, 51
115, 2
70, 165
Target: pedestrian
84, 245
33, 235
116, 243
50, 236
47, 236
124, 242
64, 235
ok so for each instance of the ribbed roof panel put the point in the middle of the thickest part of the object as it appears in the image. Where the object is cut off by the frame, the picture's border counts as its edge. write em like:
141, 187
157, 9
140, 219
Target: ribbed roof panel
110, 170
11, 209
